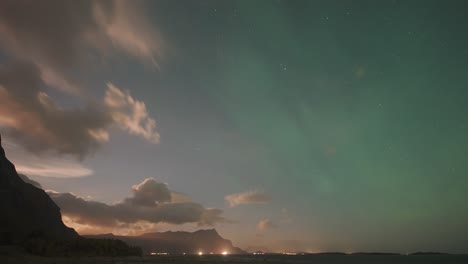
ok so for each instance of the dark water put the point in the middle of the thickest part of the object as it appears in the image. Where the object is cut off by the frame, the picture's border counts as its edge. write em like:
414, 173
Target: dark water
245, 259
327, 259
332, 259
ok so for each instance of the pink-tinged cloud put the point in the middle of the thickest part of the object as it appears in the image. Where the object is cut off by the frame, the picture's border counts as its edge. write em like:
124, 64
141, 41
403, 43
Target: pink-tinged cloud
250, 197
44, 165
130, 114
31, 117
127, 30
151, 202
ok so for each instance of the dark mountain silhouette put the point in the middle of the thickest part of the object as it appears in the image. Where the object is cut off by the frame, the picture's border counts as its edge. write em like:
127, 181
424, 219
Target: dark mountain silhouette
205, 241
428, 253
331, 253
26, 210
376, 253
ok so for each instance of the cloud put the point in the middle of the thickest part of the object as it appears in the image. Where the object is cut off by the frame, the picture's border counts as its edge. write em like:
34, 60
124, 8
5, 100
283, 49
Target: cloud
123, 229
178, 197
149, 203
250, 197
265, 224
55, 168
54, 42
150, 193
44, 165
34, 119
126, 29
47, 44
130, 114
60, 36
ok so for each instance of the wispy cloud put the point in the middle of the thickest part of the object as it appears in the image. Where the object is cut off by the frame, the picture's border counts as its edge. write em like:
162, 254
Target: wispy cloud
59, 36
47, 44
127, 30
250, 197
55, 168
44, 165
124, 229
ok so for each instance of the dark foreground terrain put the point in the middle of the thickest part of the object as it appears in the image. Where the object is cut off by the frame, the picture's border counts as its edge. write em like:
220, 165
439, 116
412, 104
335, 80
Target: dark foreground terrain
318, 259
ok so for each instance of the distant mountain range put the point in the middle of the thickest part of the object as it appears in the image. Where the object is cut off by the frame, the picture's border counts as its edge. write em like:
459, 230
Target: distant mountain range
201, 241
27, 210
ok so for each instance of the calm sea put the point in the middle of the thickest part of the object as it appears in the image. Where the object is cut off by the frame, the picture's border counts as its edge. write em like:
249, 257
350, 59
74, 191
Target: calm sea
313, 259
369, 259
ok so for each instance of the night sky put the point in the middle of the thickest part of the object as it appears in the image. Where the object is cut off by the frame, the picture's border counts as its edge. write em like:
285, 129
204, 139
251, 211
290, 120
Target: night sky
295, 125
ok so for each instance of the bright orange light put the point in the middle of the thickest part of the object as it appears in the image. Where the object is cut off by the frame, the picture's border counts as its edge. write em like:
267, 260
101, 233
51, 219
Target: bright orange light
200, 253
225, 253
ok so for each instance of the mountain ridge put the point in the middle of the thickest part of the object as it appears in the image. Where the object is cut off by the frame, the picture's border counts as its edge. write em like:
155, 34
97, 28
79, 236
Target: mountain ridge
203, 241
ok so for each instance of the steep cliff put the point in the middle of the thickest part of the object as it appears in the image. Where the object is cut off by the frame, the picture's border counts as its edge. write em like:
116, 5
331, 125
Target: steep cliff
26, 209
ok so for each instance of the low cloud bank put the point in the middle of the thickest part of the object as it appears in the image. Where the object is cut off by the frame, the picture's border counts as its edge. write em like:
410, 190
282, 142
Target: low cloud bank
150, 202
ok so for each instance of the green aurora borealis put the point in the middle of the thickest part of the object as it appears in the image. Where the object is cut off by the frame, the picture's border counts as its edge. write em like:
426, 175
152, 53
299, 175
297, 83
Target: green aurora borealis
359, 108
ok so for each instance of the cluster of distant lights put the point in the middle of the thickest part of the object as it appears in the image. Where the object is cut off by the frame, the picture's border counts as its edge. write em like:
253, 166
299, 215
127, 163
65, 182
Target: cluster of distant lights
200, 253
284, 253
224, 253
